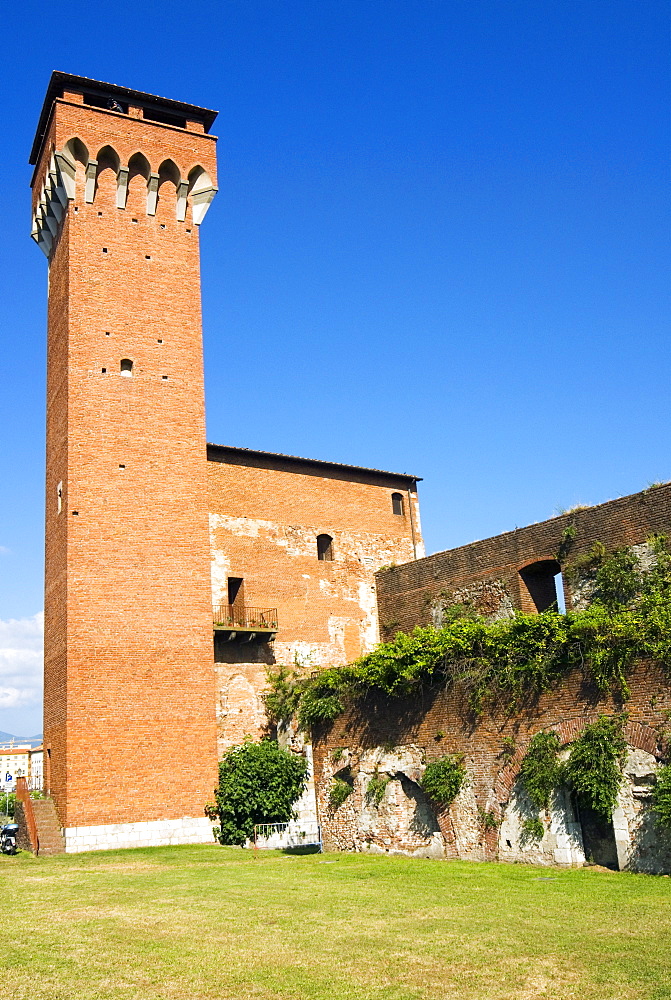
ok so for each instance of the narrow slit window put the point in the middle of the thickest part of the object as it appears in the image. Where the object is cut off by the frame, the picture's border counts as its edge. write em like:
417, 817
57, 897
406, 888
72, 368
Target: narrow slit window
324, 548
126, 367
59, 496
397, 504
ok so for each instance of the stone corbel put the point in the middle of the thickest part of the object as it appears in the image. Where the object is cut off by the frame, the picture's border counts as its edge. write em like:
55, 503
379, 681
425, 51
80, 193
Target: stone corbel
54, 204
68, 172
90, 190
42, 237
121, 187
182, 191
152, 194
57, 183
200, 202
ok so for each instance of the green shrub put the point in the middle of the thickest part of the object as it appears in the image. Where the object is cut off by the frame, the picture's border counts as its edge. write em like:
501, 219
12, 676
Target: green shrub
540, 770
532, 831
443, 779
594, 767
258, 783
7, 803
376, 788
661, 797
340, 790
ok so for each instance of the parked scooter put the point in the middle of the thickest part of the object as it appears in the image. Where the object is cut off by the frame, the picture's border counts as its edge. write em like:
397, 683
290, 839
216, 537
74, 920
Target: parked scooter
8, 838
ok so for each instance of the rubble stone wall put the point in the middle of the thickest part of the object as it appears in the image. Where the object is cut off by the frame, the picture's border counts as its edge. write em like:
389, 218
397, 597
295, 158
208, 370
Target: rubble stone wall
396, 739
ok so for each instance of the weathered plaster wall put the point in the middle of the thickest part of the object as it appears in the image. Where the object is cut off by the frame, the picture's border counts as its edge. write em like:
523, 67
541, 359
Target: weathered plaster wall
266, 512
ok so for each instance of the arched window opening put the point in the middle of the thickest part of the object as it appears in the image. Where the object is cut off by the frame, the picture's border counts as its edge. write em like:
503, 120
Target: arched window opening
324, 548
397, 503
76, 158
168, 185
106, 176
126, 367
540, 581
138, 178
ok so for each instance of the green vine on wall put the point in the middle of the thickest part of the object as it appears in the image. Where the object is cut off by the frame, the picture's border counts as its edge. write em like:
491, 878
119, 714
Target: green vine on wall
540, 771
593, 770
443, 779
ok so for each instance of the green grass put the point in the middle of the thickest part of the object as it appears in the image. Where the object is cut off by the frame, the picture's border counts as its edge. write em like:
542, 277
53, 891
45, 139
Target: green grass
213, 922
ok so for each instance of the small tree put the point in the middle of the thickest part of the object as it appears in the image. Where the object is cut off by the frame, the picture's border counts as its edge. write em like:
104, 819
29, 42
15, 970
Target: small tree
258, 783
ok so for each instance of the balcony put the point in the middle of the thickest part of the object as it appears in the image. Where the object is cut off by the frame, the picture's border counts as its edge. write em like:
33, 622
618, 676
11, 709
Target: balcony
240, 623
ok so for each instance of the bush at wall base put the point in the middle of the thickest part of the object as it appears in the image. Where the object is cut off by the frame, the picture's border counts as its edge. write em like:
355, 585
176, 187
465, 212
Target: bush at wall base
258, 783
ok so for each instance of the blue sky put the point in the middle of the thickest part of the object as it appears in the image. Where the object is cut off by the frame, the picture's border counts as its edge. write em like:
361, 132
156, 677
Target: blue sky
440, 246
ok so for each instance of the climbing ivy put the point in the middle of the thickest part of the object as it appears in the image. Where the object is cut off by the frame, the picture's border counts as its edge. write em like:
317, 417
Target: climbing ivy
540, 772
443, 779
594, 767
661, 797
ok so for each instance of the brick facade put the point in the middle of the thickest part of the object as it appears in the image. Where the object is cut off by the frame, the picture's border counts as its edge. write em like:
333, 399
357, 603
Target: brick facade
489, 570
129, 692
266, 512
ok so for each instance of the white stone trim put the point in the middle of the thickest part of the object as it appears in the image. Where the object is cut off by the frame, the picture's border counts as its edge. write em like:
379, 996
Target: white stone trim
156, 833
122, 187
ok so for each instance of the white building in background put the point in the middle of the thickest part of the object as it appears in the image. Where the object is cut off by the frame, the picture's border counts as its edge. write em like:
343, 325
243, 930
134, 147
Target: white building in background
20, 761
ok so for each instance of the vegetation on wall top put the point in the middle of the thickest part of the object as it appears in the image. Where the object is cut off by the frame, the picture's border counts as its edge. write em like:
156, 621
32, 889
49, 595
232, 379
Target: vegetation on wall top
509, 660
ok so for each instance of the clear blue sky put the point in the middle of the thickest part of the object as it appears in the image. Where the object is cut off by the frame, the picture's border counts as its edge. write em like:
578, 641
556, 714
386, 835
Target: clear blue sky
440, 244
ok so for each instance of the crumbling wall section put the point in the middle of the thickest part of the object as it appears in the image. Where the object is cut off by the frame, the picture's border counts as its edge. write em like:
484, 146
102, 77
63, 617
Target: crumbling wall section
399, 737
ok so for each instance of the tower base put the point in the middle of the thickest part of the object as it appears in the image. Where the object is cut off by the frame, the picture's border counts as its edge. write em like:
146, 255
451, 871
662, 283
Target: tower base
157, 833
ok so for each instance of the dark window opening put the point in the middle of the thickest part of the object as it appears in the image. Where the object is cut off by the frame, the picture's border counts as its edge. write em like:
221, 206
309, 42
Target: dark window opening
126, 367
540, 581
236, 590
164, 117
397, 503
107, 102
325, 548
598, 836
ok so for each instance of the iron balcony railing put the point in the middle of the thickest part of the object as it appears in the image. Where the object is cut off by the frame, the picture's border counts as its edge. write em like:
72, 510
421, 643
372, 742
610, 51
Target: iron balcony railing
232, 616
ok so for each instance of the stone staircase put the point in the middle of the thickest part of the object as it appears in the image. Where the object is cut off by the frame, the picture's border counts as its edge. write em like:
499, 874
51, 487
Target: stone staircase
48, 827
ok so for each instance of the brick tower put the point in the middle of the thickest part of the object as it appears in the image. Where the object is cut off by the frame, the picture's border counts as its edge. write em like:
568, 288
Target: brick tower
122, 182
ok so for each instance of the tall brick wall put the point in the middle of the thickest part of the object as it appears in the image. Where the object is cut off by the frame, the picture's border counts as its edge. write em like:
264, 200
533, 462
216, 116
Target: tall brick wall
407, 594
266, 512
129, 691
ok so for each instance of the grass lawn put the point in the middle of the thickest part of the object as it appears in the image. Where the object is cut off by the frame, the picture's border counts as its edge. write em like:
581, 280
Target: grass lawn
212, 922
